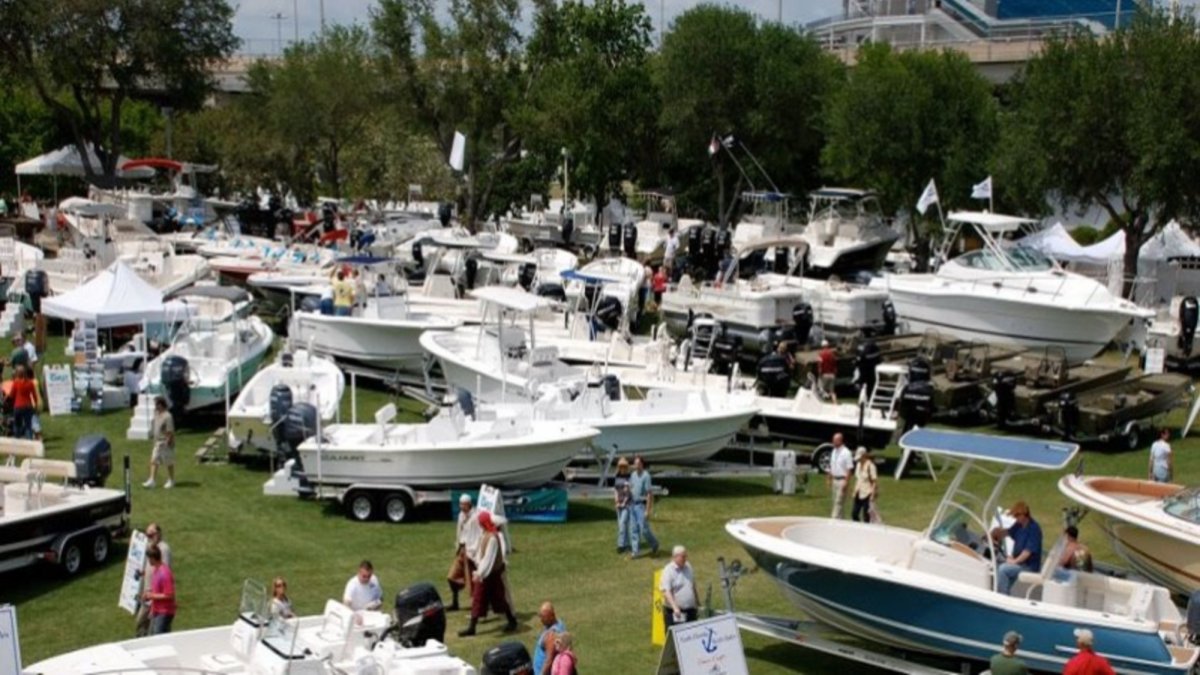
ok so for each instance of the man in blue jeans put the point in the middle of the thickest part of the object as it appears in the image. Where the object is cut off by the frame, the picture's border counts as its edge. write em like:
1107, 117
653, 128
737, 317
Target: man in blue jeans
1026, 556
641, 492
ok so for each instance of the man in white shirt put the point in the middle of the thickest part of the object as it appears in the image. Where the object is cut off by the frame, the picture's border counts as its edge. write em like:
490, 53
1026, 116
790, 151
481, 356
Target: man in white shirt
672, 249
841, 465
363, 590
466, 543
678, 586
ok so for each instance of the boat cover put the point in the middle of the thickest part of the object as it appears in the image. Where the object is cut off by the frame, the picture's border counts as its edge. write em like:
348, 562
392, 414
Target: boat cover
1030, 452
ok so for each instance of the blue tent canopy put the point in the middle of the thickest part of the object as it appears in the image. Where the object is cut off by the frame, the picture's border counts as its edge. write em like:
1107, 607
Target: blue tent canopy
1028, 452
576, 275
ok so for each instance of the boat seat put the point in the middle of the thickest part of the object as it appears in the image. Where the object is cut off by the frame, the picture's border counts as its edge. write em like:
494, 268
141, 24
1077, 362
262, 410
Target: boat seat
1065, 593
19, 447
945, 562
50, 468
332, 636
13, 474
542, 356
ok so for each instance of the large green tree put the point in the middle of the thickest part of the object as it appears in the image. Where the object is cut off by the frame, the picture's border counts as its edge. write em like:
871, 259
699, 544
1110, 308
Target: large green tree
1112, 122
86, 59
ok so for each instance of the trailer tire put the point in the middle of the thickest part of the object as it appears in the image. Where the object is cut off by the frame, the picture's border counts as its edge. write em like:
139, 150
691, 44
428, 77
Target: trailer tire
1132, 437
821, 457
71, 559
101, 546
360, 506
396, 507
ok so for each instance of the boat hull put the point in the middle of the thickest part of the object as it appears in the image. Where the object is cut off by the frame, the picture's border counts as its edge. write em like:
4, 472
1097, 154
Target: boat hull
34, 531
377, 343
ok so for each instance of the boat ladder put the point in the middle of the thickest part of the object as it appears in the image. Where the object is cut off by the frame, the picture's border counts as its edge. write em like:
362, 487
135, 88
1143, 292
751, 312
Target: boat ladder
889, 384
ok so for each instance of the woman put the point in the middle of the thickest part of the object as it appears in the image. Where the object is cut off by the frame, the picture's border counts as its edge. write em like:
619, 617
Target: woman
281, 604
866, 483
25, 401
564, 656
622, 500
659, 285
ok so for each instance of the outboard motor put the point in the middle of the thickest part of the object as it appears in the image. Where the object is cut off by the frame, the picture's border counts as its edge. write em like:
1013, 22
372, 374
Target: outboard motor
612, 387
471, 272
465, 402
1004, 389
802, 317
708, 252
299, 425
568, 231
93, 460
287, 359
916, 403
889, 318
629, 240
866, 359
608, 312
919, 369
724, 241
328, 221
552, 289
507, 658
420, 616
174, 377
445, 212
1189, 315
727, 349
418, 254
526, 275
781, 264
1068, 414
695, 239
37, 286
1193, 617
614, 238
279, 403
774, 375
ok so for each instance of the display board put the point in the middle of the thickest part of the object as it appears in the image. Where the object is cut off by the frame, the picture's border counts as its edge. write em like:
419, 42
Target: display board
131, 581
705, 647
59, 389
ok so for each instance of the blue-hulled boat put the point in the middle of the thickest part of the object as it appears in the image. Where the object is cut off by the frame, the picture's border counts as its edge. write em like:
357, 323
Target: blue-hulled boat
935, 591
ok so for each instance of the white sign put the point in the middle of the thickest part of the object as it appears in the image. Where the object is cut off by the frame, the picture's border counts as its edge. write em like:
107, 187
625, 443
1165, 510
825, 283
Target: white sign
135, 563
10, 644
706, 647
59, 390
1156, 358
492, 501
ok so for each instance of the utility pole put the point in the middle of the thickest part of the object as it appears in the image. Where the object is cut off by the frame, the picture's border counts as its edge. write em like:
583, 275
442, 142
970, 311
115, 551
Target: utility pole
322, 16
278, 18
295, 21
662, 20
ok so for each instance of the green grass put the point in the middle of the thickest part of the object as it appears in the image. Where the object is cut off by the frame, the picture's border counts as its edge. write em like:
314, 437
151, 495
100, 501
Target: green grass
222, 531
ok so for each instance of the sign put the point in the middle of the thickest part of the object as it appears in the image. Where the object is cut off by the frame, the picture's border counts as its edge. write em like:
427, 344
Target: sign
10, 643
706, 647
59, 390
1155, 360
135, 562
658, 625
544, 505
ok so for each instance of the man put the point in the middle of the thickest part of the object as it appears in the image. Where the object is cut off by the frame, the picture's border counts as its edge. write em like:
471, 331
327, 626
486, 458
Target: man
28, 346
466, 539
827, 370
489, 587
1087, 661
544, 650
1162, 465
363, 591
1006, 662
163, 454
19, 355
1026, 556
671, 251
841, 465
642, 495
161, 595
678, 586
154, 537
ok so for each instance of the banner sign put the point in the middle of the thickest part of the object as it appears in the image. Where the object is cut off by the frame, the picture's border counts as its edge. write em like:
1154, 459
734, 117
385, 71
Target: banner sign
135, 562
59, 390
545, 505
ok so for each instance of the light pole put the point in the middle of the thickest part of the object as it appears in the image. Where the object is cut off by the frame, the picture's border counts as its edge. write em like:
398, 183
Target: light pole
278, 18
295, 21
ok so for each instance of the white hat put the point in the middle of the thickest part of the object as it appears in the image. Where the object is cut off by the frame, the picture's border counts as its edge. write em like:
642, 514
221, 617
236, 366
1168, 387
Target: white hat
678, 550
1084, 636
860, 453
464, 499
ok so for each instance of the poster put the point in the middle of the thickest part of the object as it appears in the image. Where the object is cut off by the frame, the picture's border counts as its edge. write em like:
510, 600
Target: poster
705, 647
131, 581
59, 390
10, 643
544, 505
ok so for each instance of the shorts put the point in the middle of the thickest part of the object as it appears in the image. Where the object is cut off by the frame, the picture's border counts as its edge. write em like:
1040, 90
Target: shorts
827, 382
162, 454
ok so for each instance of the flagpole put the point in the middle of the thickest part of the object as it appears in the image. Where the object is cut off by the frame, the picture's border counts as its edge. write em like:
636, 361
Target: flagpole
738, 164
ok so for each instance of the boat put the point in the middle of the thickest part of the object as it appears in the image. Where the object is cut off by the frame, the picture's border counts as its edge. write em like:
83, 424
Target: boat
1174, 330
294, 259
808, 420
298, 376
1010, 295
550, 226
339, 640
1155, 527
935, 591
961, 380
645, 240
1120, 410
449, 451
1022, 386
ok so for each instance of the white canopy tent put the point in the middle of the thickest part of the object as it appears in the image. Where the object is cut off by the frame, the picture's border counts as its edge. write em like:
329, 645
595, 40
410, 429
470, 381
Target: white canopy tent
1056, 242
115, 297
66, 161
1172, 242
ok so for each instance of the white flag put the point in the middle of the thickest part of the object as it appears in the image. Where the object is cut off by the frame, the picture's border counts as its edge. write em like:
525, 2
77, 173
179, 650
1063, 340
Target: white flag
982, 190
458, 151
928, 197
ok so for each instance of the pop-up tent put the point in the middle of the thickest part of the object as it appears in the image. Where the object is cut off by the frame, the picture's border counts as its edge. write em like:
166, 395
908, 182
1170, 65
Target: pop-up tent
1055, 242
115, 297
66, 161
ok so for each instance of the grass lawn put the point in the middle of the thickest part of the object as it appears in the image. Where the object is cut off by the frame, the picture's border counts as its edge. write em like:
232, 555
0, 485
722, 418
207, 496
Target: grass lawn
222, 531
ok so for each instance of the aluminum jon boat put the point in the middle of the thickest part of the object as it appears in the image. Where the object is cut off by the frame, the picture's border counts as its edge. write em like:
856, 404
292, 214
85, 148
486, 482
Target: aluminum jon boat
935, 591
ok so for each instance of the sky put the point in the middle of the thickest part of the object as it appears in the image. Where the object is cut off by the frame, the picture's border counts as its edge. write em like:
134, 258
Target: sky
260, 32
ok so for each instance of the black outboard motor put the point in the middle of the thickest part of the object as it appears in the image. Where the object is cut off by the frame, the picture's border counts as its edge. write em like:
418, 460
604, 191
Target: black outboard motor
708, 252
507, 658
551, 289
612, 387
328, 218
1068, 414
418, 254
724, 242
727, 349
465, 402
1193, 617
471, 272
916, 403
866, 359
174, 378
919, 369
629, 240
1004, 389
37, 286
802, 317
287, 359
445, 212
774, 376
608, 312
526, 275
695, 240
420, 616
93, 460
1189, 315
568, 231
614, 238
889, 318
299, 425
279, 403
781, 264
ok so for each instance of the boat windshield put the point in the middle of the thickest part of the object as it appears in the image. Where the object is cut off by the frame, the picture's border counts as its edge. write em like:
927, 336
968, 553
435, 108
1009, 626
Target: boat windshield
1184, 504
253, 604
1029, 259
1019, 257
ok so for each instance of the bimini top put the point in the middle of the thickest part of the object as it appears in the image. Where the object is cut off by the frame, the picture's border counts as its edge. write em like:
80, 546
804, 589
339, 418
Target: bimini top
841, 193
513, 299
1026, 452
992, 222
230, 293
592, 277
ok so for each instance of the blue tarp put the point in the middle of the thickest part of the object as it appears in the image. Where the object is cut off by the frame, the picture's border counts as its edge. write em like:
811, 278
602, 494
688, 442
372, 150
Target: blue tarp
1004, 449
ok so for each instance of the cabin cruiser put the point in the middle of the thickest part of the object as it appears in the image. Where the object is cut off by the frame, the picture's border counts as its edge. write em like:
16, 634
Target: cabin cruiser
1155, 527
298, 376
936, 591
1006, 294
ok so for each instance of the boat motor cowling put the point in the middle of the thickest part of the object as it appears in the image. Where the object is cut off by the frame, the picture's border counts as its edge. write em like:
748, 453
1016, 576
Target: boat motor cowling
506, 658
445, 213
919, 369
568, 230
37, 286
609, 311
1004, 389
418, 254
802, 318
916, 403
614, 237
552, 289
526, 275
1189, 315
612, 387
1068, 414
298, 426
175, 385
93, 460
471, 272
629, 235
695, 241
420, 616
726, 351
465, 402
774, 376
279, 403
781, 264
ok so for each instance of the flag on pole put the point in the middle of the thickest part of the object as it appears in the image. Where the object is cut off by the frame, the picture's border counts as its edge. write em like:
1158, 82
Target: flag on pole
458, 151
982, 190
714, 146
928, 197
728, 141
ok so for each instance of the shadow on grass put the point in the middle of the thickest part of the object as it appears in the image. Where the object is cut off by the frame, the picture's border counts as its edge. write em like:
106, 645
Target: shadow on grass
31, 582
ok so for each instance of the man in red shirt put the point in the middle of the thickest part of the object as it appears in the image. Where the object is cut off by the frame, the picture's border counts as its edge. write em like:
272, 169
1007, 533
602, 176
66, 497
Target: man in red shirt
827, 369
1087, 661
161, 595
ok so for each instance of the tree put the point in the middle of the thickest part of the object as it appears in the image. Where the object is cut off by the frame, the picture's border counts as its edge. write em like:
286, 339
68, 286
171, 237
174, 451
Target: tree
904, 118
86, 59
1110, 121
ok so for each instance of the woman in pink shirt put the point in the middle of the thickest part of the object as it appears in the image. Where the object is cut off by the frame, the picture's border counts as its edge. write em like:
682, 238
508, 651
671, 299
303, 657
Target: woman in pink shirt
161, 595
564, 656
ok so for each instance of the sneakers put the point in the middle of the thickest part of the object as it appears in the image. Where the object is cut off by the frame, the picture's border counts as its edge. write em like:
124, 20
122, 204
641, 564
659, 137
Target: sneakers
168, 485
149, 483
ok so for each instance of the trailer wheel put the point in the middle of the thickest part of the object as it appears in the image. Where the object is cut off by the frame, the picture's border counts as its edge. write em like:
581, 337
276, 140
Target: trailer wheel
396, 507
101, 543
72, 558
360, 505
1133, 437
822, 457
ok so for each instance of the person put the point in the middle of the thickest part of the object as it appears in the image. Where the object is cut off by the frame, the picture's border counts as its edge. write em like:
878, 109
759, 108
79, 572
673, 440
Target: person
343, 295
1006, 662
564, 659
641, 491
841, 465
1075, 556
866, 485
489, 584
30, 349
1162, 465
281, 604
19, 355
644, 290
360, 288
25, 402
161, 595
723, 268
363, 591
623, 501
546, 648
678, 586
671, 251
163, 453
1086, 661
659, 285
466, 538
154, 537
827, 370
1026, 556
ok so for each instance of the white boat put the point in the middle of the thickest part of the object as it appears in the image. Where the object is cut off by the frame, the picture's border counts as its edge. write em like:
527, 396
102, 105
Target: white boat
337, 641
306, 377
936, 591
294, 259
549, 225
1155, 527
448, 451
1010, 295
